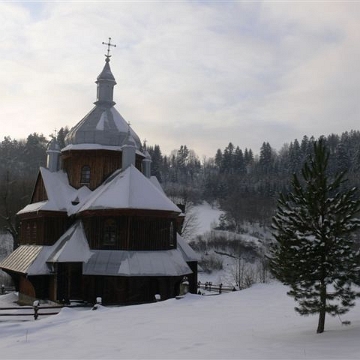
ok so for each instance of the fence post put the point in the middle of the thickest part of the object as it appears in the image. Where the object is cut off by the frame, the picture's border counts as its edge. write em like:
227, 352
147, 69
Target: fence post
36, 305
220, 287
98, 302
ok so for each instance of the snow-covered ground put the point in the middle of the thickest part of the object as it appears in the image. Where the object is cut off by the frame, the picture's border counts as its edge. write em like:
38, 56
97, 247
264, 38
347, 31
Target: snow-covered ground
206, 217
256, 323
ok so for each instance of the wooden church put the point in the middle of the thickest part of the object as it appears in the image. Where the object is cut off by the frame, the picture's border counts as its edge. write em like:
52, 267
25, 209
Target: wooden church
98, 224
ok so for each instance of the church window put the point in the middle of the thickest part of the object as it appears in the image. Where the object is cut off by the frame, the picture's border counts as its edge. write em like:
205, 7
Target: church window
34, 232
28, 232
151, 234
110, 232
85, 175
172, 235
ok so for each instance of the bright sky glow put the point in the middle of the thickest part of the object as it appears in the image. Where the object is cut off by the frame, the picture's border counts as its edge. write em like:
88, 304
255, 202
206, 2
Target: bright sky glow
198, 73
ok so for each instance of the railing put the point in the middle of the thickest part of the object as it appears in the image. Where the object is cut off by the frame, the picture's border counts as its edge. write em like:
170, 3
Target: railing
217, 288
35, 311
29, 311
6, 289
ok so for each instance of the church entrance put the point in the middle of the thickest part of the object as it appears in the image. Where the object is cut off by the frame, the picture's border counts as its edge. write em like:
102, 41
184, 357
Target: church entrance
69, 286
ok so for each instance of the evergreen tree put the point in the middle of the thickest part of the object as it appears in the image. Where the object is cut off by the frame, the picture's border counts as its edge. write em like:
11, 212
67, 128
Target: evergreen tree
218, 158
60, 137
34, 154
248, 159
314, 251
266, 159
156, 161
239, 162
295, 157
227, 160
343, 162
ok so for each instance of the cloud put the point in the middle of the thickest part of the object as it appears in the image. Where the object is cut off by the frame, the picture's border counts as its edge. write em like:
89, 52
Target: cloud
196, 73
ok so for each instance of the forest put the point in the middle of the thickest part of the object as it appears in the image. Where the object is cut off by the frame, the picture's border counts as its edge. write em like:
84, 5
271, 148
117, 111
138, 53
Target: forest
244, 184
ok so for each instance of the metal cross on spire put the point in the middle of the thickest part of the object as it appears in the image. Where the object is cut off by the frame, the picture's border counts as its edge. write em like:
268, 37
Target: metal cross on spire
108, 49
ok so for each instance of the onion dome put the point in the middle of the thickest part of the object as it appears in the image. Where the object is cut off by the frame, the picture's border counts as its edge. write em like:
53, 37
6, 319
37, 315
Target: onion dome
103, 125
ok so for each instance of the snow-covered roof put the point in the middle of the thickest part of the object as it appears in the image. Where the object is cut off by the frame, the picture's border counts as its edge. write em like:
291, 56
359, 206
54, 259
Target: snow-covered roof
188, 253
102, 126
36, 260
154, 180
128, 189
72, 246
96, 147
59, 193
136, 263
86, 146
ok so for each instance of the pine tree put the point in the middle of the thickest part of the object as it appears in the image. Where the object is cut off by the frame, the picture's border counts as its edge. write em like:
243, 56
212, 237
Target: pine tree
314, 251
227, 160
239, 163
218, 158
266, 159
156, 161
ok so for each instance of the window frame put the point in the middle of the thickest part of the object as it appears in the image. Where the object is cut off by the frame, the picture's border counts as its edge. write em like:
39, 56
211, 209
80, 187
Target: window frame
85, 175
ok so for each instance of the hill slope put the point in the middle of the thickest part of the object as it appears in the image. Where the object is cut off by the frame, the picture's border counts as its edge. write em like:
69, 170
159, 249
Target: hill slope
256, 323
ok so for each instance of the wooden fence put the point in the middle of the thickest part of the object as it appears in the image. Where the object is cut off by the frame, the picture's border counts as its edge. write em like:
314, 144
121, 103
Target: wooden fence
45, 310
216, 288
6, 289
35, 311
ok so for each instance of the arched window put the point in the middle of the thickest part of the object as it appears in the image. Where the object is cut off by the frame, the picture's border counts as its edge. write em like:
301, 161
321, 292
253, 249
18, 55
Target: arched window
85, 175
110, 232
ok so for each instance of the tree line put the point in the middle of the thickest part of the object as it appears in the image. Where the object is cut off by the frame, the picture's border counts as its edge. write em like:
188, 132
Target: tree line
245, 185
19, 166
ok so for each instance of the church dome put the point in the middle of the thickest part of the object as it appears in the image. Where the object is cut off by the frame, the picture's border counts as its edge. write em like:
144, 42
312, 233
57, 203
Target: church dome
103, 125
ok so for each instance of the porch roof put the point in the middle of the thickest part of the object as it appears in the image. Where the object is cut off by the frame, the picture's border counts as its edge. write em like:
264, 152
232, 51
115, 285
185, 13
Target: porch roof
136, 263
27, 259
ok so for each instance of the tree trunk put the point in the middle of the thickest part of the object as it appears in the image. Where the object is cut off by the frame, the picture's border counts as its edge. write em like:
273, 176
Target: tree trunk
321, 323
322, 312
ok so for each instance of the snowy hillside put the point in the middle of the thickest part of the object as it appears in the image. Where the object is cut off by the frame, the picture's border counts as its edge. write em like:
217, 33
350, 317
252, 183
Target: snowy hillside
256, 323
245, 264
206, 218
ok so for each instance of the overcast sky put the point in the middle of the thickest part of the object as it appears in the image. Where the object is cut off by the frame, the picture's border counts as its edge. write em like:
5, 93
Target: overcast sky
195, 73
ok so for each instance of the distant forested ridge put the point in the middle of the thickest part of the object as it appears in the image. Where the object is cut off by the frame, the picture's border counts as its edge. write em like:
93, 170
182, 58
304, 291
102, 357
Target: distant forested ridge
245, 184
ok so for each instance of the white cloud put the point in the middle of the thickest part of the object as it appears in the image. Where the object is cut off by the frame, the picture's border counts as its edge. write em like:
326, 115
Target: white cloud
196, 73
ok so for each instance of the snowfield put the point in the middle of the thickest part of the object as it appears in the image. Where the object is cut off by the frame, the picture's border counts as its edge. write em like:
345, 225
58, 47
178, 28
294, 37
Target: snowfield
256, 323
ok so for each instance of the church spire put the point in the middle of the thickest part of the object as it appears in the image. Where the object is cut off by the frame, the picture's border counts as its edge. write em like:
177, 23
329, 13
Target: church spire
106, 81
108, 56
